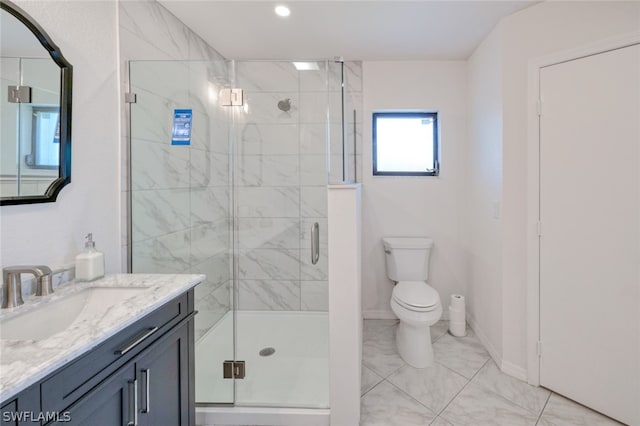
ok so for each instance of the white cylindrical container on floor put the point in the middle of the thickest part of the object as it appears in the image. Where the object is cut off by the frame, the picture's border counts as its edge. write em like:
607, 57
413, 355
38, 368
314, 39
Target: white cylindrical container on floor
457, 320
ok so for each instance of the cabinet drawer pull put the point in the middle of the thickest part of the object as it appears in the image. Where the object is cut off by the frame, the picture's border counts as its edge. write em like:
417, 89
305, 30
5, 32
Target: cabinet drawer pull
147, 398
136, 340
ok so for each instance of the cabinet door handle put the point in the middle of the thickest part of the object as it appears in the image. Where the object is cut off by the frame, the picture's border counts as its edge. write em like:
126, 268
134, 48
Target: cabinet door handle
315, 243
133, 392
135, 403
136, 340
147, 398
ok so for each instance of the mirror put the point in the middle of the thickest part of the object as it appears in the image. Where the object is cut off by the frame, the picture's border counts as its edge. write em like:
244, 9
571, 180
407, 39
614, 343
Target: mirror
35, 111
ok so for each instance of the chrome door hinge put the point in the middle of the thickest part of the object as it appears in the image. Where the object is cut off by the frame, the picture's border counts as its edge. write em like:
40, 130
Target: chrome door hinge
19, 95
130, 98
233, 370
231, 97
539, 348
539, 228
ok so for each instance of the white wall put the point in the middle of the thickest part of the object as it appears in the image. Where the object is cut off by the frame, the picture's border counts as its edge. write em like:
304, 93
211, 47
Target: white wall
53, 233
406, 206
540, 30
498, 94
484, 184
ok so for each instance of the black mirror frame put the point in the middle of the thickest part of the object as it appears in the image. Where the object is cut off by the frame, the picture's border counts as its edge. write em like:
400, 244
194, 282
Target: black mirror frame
66, 78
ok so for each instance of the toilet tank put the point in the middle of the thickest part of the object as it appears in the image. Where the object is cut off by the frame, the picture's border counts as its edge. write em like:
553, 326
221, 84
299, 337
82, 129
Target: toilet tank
407, 258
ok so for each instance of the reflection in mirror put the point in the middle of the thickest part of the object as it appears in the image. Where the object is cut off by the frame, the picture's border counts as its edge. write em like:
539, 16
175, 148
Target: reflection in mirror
35, 111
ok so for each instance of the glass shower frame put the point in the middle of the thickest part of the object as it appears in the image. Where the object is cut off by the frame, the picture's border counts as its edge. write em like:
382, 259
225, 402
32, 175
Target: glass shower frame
233, 121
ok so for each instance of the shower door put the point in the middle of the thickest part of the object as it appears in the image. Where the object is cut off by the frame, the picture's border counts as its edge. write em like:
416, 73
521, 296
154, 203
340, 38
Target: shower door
180, 197
281, 144
234, 192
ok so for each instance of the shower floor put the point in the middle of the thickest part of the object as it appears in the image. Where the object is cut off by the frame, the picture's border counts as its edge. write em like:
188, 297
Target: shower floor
295, 375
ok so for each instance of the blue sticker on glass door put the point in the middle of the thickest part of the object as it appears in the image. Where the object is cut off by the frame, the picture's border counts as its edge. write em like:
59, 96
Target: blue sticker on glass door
181, 134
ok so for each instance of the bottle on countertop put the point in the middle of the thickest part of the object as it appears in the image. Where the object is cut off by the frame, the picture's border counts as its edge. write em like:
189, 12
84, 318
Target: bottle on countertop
89, 263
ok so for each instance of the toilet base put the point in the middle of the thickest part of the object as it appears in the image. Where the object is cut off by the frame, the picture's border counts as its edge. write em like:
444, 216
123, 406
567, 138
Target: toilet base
414, 345
413, 335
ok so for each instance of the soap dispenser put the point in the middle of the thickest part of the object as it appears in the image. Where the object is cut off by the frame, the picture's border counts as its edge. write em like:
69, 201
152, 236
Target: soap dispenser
90, 263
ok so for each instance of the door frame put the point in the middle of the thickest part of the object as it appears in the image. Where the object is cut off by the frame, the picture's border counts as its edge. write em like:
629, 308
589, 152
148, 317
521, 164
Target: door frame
533, 183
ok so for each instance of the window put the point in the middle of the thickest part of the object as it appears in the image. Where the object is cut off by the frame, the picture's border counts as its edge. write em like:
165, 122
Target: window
405, 144
45, 138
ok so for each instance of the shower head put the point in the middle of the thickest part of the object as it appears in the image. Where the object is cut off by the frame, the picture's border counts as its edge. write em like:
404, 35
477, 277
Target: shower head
284, 105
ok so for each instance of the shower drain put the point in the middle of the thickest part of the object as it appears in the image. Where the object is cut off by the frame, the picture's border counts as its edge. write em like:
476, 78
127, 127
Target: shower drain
267, 352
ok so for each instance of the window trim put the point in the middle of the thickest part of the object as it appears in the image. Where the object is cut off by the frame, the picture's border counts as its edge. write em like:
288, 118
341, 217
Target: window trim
399, 114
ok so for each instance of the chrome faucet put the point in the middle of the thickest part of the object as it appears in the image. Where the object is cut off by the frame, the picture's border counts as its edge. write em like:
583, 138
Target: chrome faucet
12, 288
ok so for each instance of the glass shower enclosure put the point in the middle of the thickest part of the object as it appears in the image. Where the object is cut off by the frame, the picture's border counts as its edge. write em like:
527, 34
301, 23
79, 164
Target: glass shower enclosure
239, 193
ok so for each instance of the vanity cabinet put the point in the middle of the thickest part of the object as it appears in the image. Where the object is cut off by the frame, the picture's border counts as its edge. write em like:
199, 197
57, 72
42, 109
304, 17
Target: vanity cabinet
141, 376
151, 389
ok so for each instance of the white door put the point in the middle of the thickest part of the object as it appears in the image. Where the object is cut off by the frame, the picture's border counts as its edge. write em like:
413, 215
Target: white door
590, 223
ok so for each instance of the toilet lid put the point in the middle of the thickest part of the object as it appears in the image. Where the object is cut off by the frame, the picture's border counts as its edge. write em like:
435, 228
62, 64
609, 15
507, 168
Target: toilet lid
416, 295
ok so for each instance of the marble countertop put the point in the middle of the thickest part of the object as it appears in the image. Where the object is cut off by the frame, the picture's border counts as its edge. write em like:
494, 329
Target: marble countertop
25, 362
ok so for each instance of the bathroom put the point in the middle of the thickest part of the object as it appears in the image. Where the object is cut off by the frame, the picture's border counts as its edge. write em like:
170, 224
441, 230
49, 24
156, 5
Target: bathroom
478, 211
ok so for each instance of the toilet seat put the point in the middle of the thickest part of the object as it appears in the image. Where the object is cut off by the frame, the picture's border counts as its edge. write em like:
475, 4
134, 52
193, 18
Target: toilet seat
417, 296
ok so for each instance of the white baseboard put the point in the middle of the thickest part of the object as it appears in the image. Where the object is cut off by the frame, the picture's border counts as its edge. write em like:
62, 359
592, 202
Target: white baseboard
514, 370
505, 366
384, 314
270, 416
378, 314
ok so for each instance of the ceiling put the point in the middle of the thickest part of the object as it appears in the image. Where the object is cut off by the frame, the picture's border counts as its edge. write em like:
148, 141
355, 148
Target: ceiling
355, 30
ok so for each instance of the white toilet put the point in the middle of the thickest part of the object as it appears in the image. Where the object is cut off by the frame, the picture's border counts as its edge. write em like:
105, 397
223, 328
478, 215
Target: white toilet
414, 302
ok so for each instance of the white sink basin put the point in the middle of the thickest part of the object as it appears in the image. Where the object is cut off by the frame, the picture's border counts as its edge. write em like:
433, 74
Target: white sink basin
50, 318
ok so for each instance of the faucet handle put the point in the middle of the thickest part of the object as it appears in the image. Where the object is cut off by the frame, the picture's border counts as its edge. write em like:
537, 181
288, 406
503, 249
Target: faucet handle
44, 283
12, 289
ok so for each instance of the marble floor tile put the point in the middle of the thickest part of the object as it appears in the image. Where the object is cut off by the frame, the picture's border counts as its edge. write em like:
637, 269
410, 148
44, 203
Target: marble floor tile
476, 406
439, 421
530, 397
464, 355
439, 329
385, 405
434, 386
371, 327
379, 351
561, 411
369, 380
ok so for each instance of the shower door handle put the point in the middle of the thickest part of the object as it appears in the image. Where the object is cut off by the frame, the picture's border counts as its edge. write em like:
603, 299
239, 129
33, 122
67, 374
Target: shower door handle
315, 243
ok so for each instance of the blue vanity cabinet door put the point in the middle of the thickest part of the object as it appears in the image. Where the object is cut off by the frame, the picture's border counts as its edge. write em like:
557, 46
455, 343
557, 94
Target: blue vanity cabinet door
163, 378
111, 403
23, 409
8, 413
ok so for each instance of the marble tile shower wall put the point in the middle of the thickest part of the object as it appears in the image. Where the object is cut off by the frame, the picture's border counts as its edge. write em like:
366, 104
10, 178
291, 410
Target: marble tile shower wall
281, 182
282, 176
180, 195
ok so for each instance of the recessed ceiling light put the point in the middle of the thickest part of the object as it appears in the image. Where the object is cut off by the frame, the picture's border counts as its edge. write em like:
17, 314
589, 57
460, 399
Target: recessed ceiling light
282, 11
306, 66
